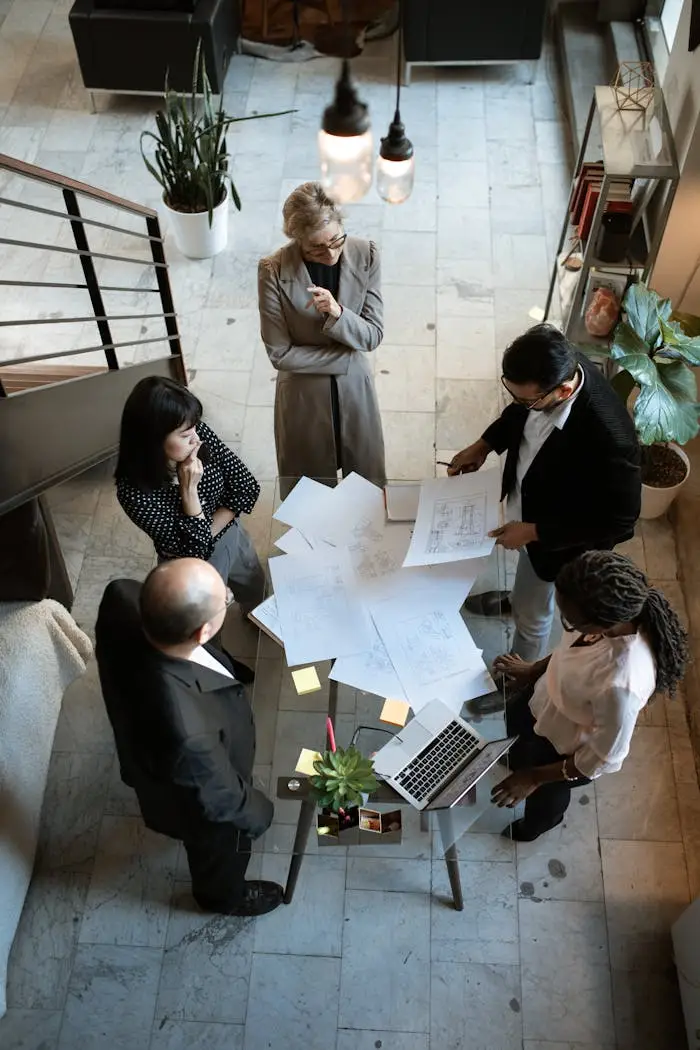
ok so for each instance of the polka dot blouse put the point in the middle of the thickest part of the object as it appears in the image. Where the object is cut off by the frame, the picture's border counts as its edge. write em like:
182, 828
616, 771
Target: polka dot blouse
225, 482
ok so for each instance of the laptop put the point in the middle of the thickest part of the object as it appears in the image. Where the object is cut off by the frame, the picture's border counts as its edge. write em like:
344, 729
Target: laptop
437, 758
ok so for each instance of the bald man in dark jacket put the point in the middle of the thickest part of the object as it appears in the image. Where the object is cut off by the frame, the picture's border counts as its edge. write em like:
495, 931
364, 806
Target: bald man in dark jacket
183, 726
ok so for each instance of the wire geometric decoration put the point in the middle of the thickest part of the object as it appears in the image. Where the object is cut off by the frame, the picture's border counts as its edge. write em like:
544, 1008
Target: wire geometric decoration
634, 85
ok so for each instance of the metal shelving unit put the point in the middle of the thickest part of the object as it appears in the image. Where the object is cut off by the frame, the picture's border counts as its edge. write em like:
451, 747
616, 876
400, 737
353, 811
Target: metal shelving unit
636, 145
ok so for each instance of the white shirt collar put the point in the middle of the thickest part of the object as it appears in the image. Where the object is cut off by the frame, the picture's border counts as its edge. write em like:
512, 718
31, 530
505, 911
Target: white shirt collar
559, 415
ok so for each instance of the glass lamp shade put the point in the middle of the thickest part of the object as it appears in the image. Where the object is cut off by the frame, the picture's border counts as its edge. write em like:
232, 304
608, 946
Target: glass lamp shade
346, 165
395, 179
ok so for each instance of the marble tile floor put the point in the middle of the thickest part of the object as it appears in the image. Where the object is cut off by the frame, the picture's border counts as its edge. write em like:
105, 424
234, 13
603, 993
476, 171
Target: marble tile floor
563, 944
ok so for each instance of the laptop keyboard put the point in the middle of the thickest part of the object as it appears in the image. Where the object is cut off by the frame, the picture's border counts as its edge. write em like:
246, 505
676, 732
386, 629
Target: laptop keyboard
442, 757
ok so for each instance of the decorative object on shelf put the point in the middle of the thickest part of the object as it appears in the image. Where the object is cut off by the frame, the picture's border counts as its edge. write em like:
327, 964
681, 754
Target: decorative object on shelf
634, 85
345, 143
655, 356
396, 163
343, 777
191, 164
618, 206
613, 244
602, 312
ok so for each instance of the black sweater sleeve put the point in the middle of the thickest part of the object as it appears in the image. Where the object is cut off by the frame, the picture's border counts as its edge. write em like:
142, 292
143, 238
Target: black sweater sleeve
174, 533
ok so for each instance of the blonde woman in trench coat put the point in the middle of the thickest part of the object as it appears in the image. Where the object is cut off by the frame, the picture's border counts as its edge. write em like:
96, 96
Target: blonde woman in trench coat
320, 315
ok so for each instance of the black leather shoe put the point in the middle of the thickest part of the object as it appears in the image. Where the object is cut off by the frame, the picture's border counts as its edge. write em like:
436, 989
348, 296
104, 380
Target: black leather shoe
258, 899
489, 603
518, 831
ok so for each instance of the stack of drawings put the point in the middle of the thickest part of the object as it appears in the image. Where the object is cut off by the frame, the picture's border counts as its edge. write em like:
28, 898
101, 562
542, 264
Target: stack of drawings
382, 599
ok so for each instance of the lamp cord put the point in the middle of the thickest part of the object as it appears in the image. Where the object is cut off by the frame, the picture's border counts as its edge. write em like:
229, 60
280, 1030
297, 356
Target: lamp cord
399, 56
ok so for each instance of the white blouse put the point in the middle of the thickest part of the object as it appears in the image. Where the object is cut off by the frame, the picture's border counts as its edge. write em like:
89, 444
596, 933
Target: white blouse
587, 701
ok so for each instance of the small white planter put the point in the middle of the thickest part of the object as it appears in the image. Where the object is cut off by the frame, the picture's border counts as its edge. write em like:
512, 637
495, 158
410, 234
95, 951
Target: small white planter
194, 236
655, 501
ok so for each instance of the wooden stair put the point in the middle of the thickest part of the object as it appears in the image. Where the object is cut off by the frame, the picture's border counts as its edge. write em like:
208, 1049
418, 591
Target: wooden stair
19, 377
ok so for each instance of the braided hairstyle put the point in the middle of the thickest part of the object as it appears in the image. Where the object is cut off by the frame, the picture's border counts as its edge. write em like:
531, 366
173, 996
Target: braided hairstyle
609, 589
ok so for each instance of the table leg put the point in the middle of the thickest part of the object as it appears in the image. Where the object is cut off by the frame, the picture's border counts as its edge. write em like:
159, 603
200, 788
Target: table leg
452, 862
445, 824
306, 816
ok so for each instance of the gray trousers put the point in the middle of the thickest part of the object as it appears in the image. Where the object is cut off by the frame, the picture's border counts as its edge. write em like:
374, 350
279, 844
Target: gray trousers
235, 560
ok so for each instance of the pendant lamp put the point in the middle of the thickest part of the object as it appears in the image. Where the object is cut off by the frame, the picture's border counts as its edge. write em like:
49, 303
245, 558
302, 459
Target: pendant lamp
396, 163
345, 143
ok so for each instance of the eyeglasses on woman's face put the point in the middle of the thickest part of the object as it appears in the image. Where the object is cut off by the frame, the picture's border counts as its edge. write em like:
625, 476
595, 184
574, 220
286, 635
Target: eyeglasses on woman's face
323, 246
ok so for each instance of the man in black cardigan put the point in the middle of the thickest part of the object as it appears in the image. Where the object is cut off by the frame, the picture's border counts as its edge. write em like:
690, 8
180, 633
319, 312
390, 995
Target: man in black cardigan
183, 726
571, 480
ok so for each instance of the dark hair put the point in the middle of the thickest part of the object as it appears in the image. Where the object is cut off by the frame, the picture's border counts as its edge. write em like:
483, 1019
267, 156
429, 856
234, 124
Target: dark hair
608, 589
542, 355
154, 408
174, 620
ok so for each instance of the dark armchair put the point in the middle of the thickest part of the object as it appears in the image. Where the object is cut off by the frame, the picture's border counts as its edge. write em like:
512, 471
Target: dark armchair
130, 45
446, 32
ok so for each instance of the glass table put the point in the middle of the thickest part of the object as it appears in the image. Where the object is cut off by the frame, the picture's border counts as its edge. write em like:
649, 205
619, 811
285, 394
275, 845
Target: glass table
286, 722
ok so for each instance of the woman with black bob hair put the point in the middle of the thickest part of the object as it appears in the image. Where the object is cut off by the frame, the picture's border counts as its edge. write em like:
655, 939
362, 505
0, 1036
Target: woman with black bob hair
576, 710
181, 485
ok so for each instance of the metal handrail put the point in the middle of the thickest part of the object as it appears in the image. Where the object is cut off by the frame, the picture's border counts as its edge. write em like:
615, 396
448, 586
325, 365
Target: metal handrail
77, 251
82, 218
31, 171
81, 320
85, 350
80, 226
66, 284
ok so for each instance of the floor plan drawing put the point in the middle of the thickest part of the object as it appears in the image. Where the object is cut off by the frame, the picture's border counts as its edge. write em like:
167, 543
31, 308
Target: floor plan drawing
456, 524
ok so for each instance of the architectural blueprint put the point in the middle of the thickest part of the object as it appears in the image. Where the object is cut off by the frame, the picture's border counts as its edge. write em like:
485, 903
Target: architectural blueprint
454, 518
319, 607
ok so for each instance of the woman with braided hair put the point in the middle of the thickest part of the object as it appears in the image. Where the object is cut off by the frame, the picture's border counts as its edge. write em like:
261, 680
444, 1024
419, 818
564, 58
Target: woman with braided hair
576, 710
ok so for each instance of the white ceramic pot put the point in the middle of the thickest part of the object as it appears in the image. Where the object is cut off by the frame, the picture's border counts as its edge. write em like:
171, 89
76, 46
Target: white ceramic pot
655, 501
194, 236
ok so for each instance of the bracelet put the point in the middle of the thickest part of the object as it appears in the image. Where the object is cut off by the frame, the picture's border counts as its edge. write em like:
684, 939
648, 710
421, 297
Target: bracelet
564, 772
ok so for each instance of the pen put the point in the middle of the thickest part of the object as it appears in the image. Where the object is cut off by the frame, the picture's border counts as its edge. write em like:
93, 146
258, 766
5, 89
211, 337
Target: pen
441, 463
331, 734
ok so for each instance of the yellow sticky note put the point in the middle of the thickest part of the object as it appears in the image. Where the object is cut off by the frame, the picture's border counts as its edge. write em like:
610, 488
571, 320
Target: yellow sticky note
305, 763
306, 680
395, 712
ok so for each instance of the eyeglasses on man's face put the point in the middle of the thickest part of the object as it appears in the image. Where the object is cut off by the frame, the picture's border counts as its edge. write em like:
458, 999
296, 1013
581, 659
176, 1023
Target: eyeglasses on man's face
527, 402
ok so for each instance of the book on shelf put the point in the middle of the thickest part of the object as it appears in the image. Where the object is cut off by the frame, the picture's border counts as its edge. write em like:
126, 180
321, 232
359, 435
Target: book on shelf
588, 173
613, 203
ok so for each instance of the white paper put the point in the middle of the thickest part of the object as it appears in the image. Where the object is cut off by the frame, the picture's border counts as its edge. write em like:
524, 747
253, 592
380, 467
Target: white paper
430, 586
303, 504
293, 542
381, 554
356, 512
454, 517
455, 690
402, 502
424, 645
372, 671
319, 608
267, 616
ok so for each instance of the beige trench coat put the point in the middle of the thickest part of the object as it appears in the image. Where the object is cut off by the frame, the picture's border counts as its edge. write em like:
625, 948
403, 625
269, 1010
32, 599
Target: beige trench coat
306, 350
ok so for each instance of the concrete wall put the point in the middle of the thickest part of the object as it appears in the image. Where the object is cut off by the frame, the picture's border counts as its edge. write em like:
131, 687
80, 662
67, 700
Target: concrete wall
677, 274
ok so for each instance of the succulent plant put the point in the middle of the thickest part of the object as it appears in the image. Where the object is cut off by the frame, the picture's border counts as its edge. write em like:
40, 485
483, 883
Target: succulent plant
342, 777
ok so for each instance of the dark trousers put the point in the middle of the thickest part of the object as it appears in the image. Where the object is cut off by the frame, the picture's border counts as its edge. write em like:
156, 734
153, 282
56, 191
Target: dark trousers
548, 804
218, 857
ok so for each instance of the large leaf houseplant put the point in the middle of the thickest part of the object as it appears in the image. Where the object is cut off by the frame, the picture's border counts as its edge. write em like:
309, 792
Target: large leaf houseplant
654, 356
191, 163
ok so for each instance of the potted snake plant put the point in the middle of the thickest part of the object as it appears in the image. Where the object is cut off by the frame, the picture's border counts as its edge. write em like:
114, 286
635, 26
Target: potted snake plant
191, 164
654, 353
